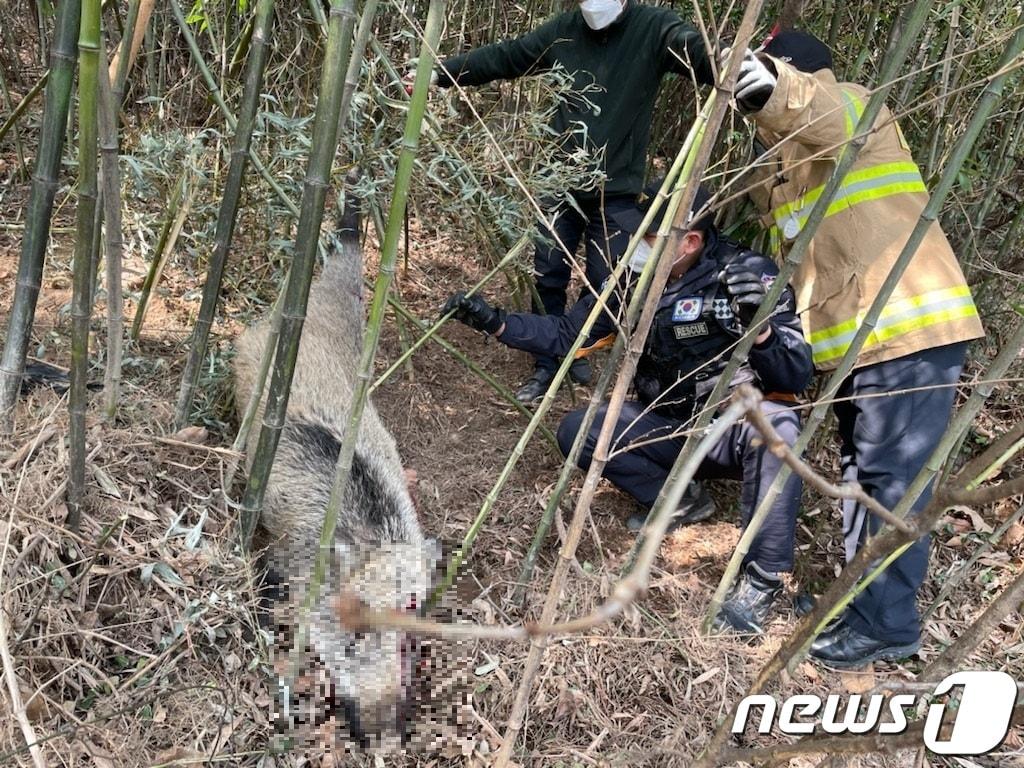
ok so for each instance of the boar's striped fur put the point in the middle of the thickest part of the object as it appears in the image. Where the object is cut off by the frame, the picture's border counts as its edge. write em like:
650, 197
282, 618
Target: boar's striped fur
380, 553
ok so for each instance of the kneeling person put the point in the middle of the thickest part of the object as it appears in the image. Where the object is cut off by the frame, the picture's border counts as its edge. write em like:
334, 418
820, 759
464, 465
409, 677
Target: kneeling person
714, 290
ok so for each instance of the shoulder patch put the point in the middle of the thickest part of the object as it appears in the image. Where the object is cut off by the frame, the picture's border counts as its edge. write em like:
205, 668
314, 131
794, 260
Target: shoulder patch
721, 308
687, 310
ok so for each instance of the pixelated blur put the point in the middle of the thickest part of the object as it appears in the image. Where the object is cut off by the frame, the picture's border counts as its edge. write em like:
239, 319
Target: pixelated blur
375, 691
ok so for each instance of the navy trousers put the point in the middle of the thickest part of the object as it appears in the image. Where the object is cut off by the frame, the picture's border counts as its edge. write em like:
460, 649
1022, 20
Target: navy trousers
885, 442
603, 242
644, 450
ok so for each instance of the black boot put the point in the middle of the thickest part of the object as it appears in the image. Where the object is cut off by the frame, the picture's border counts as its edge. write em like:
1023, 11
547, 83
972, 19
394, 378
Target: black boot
581, 371
750, 601
535, 386
843, 647
695, 506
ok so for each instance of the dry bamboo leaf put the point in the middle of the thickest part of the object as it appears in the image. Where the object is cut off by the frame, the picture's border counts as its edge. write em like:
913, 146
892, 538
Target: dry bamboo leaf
1014, 535
106, 482
196, 435
859, 681
19, 455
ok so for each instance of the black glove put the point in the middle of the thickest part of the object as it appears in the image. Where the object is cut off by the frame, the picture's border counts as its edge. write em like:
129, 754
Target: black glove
475, 312
745, 289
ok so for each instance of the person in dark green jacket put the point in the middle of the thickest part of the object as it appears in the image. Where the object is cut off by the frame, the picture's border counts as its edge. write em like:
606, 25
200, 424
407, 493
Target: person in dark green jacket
623, 48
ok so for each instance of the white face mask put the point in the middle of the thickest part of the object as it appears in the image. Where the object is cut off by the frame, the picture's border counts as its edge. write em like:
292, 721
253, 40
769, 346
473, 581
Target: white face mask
640, 256
600, 13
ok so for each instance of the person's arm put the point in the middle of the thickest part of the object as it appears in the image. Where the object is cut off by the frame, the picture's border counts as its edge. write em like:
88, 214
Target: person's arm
819, 113
782, 360
506, 60
553, 335
683, 51
780, 357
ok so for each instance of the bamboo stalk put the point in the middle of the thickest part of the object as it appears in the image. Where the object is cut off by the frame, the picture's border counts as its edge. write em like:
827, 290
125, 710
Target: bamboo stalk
705, 131
81, 300
355, 63
324, 142
885, 542
916, 18
388, 258
228, 214
19, 148
514, 253
113, 243
40, 207
218, 99
26, 100
177, 212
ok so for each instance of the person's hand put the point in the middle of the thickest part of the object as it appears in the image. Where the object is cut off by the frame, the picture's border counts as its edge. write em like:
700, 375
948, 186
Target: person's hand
409, 78
755, 82
746, 292
475, 312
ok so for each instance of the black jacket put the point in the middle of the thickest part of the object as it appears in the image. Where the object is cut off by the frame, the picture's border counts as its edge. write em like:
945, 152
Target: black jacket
691, 337
625, 60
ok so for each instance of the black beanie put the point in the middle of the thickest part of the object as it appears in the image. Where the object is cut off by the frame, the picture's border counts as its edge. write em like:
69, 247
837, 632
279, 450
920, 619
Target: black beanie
805, 52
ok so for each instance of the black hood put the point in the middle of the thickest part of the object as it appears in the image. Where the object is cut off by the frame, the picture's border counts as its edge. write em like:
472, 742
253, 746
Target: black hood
805, 52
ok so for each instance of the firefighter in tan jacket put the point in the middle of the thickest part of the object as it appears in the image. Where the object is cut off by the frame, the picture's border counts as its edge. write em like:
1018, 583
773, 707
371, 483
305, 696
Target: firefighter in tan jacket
803, 118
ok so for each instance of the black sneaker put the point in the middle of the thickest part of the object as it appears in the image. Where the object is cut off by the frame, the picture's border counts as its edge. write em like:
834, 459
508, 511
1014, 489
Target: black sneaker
581, 371
695, 506
535, 386
843, 647
750, 602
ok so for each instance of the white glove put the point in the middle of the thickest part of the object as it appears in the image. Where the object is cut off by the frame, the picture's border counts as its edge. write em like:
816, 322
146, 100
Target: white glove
409, 78
754, 78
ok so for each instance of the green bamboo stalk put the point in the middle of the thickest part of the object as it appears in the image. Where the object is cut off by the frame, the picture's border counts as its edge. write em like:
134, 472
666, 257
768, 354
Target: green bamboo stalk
388, 258
18, 146
917, 15
513, 254
218, 99
324, 143
111, 194
838, 595
355, 63
949, 176
228, 214
124, 54
177, 211
26, 100
81, 300
40, 206
961, 152
1005, 160
548, 400
562, 484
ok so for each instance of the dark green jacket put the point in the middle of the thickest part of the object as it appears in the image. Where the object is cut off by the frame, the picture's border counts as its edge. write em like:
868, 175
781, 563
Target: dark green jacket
626, 60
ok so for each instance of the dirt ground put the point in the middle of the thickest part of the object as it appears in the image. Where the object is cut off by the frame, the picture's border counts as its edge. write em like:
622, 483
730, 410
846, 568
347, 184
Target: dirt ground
138, 642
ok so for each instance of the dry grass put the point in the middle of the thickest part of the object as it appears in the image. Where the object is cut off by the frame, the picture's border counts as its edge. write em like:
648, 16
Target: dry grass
145, 649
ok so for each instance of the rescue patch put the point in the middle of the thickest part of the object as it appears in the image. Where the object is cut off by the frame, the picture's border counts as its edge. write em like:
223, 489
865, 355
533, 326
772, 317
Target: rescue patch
690, 330
687, 309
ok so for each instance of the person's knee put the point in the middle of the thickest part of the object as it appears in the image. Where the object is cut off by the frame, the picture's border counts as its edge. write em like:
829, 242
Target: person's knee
787, 424
568, 428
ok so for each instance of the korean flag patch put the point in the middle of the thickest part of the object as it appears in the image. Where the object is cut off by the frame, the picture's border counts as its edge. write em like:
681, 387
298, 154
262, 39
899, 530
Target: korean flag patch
687, 310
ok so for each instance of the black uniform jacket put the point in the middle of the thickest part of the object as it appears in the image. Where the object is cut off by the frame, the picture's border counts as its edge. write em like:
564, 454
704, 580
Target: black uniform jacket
691, 338
617, 69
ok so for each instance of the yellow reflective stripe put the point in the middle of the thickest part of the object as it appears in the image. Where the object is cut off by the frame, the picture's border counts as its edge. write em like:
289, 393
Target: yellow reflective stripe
922, 311
870, 183
854, 109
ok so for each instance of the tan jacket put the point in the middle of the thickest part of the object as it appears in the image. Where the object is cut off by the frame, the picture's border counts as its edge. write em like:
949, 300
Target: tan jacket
866, 226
